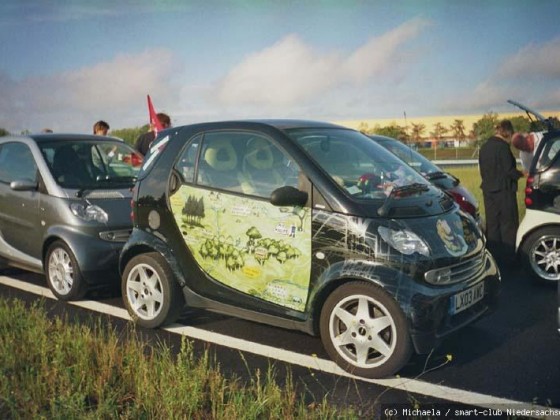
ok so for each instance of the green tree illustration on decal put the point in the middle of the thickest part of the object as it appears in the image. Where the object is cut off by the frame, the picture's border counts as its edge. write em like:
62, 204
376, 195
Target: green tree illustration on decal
253, 234
193, 211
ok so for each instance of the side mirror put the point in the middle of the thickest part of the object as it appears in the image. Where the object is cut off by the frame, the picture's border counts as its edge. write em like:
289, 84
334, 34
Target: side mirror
23, 185
288, 196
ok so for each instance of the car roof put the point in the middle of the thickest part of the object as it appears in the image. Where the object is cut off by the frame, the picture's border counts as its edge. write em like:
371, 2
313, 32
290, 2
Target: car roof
40, 138
279, 124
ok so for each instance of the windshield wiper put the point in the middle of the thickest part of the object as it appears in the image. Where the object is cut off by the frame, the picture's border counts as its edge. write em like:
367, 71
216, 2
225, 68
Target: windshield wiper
436, 175
409, 189
399, 192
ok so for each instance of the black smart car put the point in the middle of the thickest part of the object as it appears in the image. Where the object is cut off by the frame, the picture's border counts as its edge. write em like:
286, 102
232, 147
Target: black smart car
307, 226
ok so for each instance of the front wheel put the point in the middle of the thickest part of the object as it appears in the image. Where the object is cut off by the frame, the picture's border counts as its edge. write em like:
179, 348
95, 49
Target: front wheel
540, 254
150, 292
365, 331
63, 273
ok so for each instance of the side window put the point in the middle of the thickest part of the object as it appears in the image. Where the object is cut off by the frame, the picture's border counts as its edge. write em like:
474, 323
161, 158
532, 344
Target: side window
186, 164
17, 162
245, 162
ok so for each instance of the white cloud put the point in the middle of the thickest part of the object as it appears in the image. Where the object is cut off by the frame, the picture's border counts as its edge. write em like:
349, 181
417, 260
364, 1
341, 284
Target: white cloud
74, 100
533, 62
292, 71
530, 76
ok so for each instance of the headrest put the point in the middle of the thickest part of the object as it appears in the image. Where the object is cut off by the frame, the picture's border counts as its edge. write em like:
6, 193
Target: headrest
220, 155
65, 156
259, 155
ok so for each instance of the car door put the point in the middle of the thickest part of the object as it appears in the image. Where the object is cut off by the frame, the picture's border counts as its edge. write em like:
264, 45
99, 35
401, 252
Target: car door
229, 225
19, 215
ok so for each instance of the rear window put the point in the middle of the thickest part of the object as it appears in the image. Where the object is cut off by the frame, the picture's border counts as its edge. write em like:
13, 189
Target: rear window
548, 152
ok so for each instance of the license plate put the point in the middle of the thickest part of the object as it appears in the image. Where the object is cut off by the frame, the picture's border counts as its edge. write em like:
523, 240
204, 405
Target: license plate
466, 298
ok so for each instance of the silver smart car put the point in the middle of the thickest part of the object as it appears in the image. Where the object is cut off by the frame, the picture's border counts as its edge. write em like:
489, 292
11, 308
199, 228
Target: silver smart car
65, 207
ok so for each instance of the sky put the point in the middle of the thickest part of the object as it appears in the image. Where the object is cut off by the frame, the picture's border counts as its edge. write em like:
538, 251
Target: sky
68, 63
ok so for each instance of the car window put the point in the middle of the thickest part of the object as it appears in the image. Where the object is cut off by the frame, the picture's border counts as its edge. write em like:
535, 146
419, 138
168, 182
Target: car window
17, 163
186, 164
245, 162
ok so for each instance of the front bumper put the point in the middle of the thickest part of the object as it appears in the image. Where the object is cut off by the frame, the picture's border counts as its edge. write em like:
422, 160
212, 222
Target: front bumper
430, 315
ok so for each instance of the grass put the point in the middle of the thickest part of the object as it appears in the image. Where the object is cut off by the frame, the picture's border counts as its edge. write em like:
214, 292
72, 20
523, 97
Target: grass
55, 369
470, 179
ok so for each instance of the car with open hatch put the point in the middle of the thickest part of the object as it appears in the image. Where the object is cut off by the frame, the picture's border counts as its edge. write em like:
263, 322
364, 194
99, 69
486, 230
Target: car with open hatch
433, 173
307, 226
65, 208
538, 235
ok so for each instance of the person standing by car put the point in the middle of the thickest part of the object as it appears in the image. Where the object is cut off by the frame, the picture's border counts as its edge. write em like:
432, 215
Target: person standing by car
499, 189
101, 128
143, 143
526, 143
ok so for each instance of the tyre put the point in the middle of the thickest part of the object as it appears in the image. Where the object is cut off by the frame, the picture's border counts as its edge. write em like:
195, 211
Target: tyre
540, 254
365, 331
150, 292
63, 273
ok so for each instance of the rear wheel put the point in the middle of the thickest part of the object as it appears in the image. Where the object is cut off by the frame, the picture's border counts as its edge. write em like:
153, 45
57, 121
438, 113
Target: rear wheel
540, 254
150, 292
365, 331
63, 273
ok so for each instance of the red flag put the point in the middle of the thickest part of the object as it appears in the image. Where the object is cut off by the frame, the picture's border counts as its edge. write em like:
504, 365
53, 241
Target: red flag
154, 121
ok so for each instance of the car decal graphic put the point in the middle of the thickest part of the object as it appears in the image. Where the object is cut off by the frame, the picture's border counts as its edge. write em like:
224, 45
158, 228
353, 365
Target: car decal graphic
453, 241
248, 244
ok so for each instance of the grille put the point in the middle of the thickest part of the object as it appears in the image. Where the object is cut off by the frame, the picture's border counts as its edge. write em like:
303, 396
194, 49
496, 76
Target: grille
462, 271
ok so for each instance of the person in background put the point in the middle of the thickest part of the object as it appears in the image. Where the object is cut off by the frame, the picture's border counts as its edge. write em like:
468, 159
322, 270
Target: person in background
526, 143
101, 128
499, 189
143, 143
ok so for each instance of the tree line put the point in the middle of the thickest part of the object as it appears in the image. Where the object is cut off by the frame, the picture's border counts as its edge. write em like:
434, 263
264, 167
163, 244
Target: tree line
481, 130
416, 133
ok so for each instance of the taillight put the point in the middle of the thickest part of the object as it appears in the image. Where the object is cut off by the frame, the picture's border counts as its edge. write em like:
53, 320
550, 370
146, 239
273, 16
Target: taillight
132, 203
529, 191
465, 204
136, 160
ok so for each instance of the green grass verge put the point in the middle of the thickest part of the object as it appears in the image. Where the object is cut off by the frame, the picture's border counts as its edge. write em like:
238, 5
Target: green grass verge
54, 369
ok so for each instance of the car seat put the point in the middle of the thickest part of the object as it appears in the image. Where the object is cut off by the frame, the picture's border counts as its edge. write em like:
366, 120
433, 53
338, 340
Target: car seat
259, 176
68, 169
218, 168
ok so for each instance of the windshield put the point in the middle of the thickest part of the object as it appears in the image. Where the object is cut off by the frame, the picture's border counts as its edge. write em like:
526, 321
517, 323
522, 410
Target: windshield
412, 157
92, 164
357, 163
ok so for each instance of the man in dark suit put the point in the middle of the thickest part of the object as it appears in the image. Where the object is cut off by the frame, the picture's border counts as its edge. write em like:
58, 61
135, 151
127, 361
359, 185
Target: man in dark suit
499, 188
143, 142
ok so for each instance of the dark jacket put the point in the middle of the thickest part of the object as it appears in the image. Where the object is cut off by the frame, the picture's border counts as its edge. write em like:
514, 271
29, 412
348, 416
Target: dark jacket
497, 166
143, 142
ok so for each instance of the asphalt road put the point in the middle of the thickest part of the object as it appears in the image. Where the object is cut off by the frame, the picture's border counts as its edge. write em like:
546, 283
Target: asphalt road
512, 354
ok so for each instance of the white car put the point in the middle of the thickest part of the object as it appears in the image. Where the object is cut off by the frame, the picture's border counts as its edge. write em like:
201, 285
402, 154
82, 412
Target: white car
538, 236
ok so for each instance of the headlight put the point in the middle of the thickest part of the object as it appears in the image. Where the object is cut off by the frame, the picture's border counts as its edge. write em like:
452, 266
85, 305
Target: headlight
404, 241
89, 212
